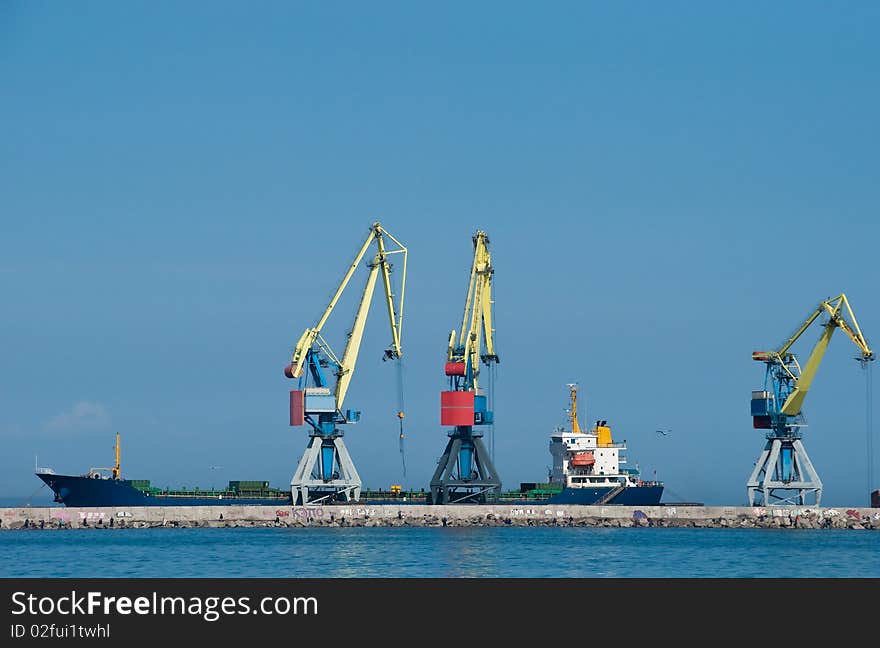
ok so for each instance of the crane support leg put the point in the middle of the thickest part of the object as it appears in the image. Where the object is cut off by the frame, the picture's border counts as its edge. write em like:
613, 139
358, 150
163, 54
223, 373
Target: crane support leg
325, 473
784, 475
465, 472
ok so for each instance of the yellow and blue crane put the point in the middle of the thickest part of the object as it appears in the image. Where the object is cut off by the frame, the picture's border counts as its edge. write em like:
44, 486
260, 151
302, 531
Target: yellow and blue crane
466, 472
784, 473
326, 471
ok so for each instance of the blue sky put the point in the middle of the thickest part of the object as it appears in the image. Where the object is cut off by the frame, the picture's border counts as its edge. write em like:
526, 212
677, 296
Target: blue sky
666, 187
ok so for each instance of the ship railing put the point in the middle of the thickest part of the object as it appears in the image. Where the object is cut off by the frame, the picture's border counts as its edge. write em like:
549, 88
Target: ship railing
209, 494
518, 496
399, 495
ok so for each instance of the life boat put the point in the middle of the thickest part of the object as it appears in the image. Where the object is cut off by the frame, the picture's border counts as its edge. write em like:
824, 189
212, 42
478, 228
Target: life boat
583, 459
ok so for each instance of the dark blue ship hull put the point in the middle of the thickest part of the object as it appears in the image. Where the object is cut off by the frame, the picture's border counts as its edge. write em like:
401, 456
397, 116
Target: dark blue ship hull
89, 491
646, 495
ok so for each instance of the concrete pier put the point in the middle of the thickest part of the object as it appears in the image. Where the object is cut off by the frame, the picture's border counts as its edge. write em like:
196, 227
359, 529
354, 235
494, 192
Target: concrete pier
420, 515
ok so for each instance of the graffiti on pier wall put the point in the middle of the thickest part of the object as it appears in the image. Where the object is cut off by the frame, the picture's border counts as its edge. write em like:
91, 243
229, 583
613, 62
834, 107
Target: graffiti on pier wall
308, 512
303, 513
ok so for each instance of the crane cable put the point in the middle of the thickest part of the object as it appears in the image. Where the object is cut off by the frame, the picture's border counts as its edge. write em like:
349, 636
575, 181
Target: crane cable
869, 423
400, 410
492, 407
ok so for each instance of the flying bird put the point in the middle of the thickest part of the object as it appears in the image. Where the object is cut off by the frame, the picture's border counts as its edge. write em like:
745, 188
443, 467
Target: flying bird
664, 432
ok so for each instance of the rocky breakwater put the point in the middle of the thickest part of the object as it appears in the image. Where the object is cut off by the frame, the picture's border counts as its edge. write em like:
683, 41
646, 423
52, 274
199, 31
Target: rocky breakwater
353, 515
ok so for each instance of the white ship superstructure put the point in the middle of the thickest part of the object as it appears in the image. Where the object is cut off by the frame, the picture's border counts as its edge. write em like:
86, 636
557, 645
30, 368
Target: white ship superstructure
588, 458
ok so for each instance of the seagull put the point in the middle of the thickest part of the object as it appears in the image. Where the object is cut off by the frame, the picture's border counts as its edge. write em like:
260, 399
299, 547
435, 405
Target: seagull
216, 467
664, 432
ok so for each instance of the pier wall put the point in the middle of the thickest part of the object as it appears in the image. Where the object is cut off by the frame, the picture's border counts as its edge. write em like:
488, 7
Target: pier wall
420, 515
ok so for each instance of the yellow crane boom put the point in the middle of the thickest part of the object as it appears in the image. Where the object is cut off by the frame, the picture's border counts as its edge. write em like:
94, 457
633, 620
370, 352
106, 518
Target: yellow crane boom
312, 336
837, 309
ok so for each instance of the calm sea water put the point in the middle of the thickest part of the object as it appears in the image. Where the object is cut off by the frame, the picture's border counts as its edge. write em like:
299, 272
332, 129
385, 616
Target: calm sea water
441, 552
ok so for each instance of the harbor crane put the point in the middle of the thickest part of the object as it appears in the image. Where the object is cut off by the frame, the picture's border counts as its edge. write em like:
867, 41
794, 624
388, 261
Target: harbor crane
784, 473
326, 471
465, 472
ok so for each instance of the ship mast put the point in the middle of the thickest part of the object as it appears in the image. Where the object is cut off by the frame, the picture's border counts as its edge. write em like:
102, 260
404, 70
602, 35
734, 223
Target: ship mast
575, 426
116, 468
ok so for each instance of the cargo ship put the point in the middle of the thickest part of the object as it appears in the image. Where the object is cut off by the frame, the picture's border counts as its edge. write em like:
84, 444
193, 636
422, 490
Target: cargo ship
94, 489
106, 487
588, 469
99, 490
